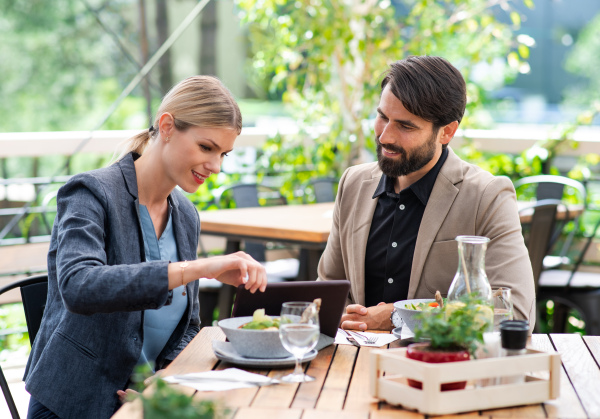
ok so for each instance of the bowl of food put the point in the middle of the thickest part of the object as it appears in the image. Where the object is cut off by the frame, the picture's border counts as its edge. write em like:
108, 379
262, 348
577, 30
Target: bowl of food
407, 309
256, 336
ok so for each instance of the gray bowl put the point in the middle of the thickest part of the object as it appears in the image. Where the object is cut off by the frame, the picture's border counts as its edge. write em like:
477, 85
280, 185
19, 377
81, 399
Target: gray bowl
408, 315
253, 343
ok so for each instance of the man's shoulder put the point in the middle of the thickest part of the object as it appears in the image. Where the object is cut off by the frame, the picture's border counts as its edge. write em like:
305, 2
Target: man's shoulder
363, 171
461, 171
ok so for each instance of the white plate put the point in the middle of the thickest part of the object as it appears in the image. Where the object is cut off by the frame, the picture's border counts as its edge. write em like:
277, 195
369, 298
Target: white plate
225, 352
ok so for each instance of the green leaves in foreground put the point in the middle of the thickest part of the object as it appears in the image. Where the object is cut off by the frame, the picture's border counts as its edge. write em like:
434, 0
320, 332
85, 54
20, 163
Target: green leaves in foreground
167, 402
459, 324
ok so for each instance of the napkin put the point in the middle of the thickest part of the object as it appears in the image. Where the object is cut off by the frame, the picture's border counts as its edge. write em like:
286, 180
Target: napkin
382, 338
227, 379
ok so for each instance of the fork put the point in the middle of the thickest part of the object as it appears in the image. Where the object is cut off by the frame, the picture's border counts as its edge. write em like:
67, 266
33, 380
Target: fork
369, 340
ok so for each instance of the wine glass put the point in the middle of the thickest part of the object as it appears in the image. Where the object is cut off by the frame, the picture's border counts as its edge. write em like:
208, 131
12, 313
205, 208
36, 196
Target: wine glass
503, 306
299, 333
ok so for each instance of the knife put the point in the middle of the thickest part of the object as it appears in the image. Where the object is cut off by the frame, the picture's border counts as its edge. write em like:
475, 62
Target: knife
351, 339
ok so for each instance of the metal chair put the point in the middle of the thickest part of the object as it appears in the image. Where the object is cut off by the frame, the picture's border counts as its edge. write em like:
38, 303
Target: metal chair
34, 291
324, 189
542, 187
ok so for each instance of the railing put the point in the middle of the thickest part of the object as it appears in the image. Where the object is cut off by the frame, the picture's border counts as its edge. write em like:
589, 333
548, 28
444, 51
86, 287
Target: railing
505, 139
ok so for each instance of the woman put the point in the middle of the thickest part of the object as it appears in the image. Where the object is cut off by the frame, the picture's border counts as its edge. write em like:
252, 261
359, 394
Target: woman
122, 265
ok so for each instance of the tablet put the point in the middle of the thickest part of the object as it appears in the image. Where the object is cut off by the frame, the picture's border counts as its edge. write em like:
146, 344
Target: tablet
332, 293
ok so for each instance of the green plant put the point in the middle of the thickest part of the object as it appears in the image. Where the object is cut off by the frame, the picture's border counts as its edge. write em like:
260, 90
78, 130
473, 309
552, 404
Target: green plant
456, 325
165, 402
326, 59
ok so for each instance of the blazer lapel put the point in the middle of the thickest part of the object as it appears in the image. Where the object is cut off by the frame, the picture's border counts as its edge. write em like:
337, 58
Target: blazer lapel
440, 201
361, 225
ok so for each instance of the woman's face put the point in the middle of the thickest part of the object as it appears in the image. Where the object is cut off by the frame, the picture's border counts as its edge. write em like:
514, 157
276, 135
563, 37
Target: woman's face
193, 155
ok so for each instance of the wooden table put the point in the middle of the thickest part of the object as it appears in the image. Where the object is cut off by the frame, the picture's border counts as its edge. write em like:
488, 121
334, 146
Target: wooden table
306, 226
341, 386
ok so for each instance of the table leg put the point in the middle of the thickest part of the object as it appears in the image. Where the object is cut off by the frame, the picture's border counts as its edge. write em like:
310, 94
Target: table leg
309, 262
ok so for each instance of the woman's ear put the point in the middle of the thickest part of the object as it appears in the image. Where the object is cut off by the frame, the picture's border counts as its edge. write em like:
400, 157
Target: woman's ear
166, 125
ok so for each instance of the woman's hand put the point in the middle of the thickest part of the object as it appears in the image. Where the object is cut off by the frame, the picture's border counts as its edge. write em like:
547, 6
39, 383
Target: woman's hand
236, 269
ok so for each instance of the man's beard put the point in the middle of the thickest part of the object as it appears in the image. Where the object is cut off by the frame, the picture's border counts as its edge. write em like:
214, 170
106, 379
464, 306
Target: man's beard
405, 163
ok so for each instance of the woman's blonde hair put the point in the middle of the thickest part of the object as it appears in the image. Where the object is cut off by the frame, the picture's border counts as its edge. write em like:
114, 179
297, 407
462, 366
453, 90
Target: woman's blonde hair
198, 101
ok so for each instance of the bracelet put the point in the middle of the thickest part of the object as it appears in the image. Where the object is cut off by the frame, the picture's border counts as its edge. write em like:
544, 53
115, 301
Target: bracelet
183, 266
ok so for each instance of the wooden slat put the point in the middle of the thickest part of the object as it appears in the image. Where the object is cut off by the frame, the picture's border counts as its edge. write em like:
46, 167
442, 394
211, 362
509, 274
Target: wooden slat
582, 370
267, 413
324, 414
198, 356
308, 393
568, 404
593, 344
336, 385
279, 396
359, 398
395, 414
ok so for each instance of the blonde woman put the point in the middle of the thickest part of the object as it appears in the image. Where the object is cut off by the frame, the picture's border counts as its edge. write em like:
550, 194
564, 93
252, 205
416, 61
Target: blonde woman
122, 264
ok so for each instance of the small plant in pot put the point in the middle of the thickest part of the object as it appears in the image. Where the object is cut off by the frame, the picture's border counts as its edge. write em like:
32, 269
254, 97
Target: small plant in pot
450, 333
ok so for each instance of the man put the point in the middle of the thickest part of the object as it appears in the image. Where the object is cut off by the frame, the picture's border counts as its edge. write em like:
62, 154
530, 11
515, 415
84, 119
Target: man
395, 221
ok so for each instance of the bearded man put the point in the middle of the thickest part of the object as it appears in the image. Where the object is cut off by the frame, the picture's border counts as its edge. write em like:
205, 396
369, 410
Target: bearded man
395, 220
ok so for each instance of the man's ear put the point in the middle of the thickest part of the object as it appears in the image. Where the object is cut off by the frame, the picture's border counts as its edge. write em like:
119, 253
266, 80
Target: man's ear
447, 132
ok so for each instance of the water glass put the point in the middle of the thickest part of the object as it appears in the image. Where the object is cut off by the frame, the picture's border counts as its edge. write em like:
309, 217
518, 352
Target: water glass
503, 306
299, 333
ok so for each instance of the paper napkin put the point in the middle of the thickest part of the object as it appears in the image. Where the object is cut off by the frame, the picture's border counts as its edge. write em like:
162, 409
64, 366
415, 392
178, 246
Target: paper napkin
227, 379
382, 338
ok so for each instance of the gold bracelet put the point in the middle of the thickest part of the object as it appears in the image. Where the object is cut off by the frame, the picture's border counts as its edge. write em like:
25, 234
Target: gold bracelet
183, 266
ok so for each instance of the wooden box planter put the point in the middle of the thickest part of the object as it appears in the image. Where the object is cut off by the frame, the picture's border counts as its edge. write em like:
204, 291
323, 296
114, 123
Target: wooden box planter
541, 370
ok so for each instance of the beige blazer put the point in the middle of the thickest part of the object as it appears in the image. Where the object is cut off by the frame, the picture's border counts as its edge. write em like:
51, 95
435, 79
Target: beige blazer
465, 200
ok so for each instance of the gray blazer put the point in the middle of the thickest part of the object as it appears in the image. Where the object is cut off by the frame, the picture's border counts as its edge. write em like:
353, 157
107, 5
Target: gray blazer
91, 335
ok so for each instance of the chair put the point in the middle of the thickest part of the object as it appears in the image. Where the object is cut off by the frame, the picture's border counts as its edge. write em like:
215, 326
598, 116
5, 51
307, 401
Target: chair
562, 188
34, 290
324, 189
539, 232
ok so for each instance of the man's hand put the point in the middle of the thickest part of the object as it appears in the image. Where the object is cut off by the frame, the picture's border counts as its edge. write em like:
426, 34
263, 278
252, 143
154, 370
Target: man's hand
358, 317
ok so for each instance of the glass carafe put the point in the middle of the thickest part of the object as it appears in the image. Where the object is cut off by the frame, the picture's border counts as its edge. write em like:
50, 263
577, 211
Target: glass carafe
470, 278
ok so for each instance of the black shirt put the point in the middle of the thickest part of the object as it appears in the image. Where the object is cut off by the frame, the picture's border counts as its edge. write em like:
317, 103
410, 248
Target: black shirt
393, 234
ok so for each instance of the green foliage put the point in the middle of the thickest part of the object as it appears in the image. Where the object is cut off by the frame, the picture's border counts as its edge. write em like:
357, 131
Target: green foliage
583, 60
12, 319
166, 402
327, 57
59, 68
458, 324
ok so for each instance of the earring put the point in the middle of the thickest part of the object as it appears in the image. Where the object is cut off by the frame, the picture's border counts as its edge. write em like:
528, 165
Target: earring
167, 140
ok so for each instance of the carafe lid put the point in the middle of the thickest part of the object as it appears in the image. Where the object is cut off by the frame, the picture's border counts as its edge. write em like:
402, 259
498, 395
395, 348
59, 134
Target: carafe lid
513, 334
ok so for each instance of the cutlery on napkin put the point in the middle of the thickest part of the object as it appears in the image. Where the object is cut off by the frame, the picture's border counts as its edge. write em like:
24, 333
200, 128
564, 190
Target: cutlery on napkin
382, 339
227, 379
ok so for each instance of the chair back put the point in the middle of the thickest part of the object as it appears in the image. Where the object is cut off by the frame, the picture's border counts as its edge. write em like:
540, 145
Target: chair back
34, 291
33, 295
539, 235
324, 189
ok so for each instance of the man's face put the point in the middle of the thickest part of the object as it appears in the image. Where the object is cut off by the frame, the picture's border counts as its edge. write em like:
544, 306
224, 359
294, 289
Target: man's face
406, 143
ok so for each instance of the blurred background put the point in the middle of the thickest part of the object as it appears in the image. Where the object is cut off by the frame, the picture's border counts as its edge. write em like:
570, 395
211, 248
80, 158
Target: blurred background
79, 76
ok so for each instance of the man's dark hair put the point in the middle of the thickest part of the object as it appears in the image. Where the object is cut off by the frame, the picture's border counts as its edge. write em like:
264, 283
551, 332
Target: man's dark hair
429, 87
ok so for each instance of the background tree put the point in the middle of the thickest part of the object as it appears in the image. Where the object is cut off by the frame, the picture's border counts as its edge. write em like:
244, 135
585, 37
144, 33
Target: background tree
328, 58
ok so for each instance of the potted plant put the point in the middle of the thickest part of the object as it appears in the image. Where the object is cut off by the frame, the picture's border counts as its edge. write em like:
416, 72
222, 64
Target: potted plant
450, 333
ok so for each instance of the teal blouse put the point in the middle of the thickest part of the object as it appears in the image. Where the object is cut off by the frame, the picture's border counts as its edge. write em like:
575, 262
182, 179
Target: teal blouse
160, 323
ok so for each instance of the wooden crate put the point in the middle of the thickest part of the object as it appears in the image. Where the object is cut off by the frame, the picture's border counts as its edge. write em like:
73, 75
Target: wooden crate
541, 370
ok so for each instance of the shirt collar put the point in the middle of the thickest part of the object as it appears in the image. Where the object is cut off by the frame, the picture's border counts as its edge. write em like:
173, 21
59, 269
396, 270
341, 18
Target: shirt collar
421, 188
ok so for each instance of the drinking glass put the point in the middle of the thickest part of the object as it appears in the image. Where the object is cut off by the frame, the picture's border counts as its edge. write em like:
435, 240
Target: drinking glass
503, 306
299, 333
